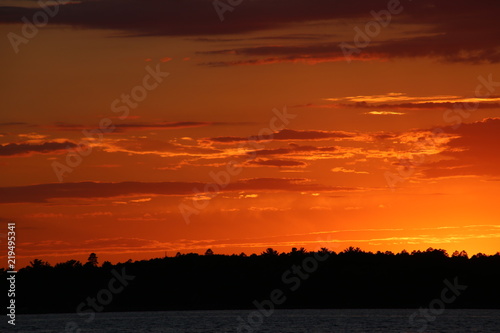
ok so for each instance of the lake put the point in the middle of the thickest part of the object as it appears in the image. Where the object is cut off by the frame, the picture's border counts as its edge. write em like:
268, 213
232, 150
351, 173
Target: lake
280, 321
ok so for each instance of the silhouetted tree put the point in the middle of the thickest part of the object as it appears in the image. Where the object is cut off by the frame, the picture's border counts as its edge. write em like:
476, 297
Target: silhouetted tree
353, 250
70, 264
92, 260
461, 254
324, 250
107, 265
39, 264
270, 252
299, 252
192, 281
209, 252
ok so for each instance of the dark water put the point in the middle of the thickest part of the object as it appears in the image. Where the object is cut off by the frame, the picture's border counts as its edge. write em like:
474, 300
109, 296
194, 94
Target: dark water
280, 321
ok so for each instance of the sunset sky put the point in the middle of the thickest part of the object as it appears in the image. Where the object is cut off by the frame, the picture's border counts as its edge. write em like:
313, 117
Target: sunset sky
133, 128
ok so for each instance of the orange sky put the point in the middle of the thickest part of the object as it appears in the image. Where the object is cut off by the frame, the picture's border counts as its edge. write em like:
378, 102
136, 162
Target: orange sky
392, 147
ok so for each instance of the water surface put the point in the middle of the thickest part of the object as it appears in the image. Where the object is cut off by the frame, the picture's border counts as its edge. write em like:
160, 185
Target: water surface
280, 321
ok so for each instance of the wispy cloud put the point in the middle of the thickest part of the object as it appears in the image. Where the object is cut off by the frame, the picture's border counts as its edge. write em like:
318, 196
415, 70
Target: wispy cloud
288, 134
26, 149
344, 170
385, 113
87, 190
122, 127
277, 163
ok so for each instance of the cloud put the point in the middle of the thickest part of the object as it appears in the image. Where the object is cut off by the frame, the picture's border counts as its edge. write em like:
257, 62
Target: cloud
344, 170
44, 193
287, 134
424, 106
385, 113
32, 136
394, 97
292, 149
144, 146
19, 149
140, 200
277, 163
189, 17
302, 36
305, 59
442, 29
272, 54
401, 101
283, 184
139, 126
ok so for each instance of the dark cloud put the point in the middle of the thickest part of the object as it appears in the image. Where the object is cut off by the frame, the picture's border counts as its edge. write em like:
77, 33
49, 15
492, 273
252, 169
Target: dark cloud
123, 127
119, 127
91, 190
384, 136
405, 106
392, 101
451, 30
311, 53
278, 37
419, 106
228, 139
192, 17
85, 190
454, 31
14, 149
277, 163
287, 134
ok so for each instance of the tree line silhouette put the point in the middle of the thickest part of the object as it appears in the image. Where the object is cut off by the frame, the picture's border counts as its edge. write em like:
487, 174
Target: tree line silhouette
351, 278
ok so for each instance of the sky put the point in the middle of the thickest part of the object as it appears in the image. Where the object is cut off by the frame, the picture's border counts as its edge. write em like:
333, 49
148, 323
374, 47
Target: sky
135, 129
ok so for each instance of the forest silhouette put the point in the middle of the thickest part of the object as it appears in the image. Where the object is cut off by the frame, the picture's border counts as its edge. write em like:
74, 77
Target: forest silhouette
320, 279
